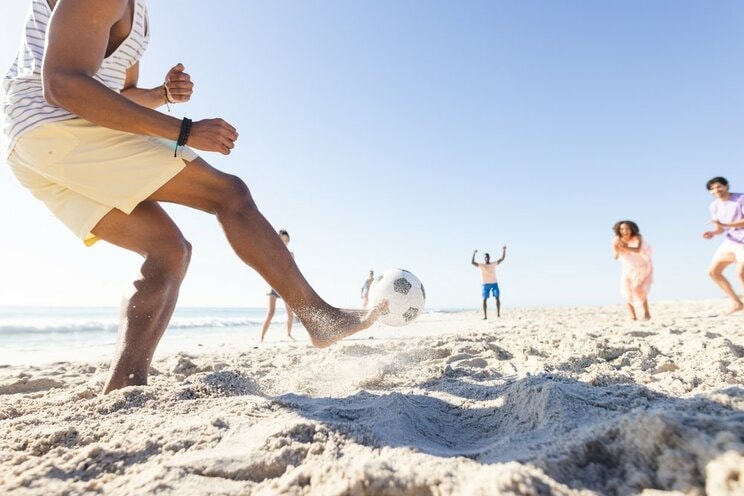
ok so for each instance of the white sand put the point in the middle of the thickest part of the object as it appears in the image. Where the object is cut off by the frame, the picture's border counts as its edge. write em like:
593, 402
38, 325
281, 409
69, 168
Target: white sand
542, 401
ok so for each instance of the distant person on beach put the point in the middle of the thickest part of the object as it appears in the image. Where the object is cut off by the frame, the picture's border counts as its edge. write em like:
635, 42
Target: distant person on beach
83, 138
638, 270
365, 288
488, 279
727, 215
273, 295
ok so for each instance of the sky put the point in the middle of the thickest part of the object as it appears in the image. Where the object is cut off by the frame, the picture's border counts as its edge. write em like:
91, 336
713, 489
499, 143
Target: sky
406, 134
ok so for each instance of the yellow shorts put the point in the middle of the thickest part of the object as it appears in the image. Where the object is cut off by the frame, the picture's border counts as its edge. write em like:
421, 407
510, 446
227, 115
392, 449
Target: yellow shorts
82, 171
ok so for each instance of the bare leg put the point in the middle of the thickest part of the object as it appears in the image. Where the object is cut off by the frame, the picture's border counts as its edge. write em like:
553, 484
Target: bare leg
646, 312
256, 242
632, 311
485, 308
498, 307
290, 320
716, 273
269, 315
145, 314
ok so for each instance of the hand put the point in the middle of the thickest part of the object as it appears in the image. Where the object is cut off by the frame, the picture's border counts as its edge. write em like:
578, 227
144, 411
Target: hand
709, 234
213, 135
476, 251
178, 85
504, 247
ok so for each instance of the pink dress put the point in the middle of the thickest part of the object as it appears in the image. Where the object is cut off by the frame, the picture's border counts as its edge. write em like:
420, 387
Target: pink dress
638, 272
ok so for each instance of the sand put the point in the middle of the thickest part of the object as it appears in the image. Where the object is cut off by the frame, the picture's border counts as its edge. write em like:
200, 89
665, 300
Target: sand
543, 401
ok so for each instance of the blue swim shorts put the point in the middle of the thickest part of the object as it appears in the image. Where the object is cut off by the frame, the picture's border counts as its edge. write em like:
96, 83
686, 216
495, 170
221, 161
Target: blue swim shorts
490, 289
273, 293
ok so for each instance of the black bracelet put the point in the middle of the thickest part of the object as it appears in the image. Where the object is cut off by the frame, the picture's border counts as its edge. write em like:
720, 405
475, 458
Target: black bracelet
183, 135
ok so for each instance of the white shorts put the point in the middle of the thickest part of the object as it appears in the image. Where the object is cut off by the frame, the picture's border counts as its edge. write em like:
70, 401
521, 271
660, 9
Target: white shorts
82, 171
729, 252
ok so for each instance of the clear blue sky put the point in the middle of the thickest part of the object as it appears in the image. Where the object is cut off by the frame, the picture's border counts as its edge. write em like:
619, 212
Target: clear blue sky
408, 133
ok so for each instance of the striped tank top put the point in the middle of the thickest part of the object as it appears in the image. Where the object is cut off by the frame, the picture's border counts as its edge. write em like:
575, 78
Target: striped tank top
24, 107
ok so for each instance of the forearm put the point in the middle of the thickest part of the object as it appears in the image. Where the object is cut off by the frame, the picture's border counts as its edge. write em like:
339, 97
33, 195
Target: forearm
91, 100
151, 98
733, 225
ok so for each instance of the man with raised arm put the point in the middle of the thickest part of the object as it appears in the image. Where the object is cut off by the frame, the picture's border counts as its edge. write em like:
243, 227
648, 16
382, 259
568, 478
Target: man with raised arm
84, 138
488, 279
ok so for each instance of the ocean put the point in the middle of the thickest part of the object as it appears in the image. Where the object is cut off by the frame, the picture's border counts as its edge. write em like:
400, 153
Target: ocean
48, 334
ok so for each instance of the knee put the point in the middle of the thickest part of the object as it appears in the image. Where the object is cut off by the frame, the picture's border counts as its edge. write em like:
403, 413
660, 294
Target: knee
715, 272
170, 261
236, 195
182, 256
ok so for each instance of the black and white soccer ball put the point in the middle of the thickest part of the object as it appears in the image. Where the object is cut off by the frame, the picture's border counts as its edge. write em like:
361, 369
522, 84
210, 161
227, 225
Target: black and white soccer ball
405, 295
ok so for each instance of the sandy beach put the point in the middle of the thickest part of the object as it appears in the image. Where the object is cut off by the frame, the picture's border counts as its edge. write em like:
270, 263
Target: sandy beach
542, 401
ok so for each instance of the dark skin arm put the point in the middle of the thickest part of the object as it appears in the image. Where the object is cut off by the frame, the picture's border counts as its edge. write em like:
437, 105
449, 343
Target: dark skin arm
177, 86
151, 98
77, 41
472, 260
503, 255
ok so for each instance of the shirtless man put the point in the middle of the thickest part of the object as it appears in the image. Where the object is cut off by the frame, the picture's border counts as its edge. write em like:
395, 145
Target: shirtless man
488, 279
86, 140
727, 215
365, 288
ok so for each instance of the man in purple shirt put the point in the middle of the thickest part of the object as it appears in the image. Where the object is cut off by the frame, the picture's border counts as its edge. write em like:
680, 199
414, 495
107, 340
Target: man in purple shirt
727, 214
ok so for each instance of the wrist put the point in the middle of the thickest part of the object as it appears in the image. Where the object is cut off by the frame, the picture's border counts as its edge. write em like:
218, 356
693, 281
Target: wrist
165, 96
183, 135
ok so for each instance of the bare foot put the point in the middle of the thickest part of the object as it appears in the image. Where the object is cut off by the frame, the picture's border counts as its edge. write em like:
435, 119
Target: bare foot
327, 327
647, 317
738, 307
290, 337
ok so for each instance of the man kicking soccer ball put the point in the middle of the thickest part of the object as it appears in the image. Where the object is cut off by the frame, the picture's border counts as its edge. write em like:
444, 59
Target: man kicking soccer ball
87, 141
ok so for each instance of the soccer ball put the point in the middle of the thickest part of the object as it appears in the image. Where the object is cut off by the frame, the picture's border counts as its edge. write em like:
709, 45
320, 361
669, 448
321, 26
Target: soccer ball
404, 293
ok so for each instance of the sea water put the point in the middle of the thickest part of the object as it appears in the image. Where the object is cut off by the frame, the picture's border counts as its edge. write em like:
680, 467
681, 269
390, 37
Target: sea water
33, 334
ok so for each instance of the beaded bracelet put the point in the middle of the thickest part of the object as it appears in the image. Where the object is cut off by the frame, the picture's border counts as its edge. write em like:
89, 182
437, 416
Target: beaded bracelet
183, 135
165, 97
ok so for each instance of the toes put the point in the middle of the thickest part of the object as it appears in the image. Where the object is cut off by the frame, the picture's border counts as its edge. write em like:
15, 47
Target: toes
382, 306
